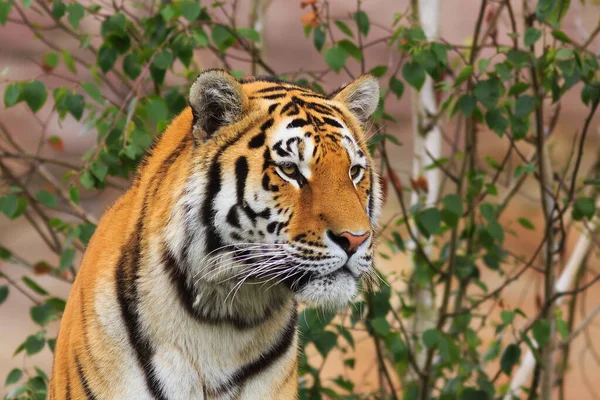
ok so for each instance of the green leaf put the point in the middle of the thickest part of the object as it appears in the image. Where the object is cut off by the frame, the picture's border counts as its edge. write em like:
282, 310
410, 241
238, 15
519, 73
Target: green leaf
93, 91
34, 344
107, 56
190, 10
507, 317
74, 103
488, 92
3, 293
524, 106
46, 198
157, 110
35, 95
5, 9
99, 169
319, 37
351, 49
249, 33
525, 223
396, 86
66, 259
453, 203
379, 71
14, 376
431, 337
58, 9
222, 37
344, 28
487, 211
463, 75
563, 328
510, 357
68, 60
518, 88
541, 332
532, 35
325, 342
163, 60
524, 169
380, 326
496, 121
398, 241
34, 286
474, 394
414, 74
519, 58
496, 231
346, 334
131, 67
200, 38
50, 60
362, 21
12, 94
336, 58
467, 104
584, 207
560, 36
429, 220
41, 314
76, 14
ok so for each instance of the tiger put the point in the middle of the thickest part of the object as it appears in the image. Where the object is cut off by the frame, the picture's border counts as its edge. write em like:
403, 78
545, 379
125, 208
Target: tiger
260, 195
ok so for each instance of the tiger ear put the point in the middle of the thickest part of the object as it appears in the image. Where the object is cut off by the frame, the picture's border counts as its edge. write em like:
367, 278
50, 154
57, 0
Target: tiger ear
361, 97
217, 99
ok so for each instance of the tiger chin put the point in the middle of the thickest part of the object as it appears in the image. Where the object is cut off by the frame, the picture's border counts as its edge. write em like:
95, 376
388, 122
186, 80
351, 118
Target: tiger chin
258, 195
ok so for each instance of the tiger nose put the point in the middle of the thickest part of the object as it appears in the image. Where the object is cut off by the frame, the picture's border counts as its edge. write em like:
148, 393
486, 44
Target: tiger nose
349, 242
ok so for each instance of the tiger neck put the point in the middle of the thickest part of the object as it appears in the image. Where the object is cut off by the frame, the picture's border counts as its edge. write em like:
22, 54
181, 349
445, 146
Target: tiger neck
241, 305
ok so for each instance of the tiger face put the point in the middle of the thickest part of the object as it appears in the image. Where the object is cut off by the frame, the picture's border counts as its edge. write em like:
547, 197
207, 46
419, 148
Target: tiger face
292, 192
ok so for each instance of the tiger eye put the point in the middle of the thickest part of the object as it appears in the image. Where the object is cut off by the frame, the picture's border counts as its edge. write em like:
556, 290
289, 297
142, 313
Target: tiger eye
355, 171
289, 169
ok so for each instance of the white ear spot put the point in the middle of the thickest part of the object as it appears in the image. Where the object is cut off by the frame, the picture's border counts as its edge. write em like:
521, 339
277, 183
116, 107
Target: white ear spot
361, 97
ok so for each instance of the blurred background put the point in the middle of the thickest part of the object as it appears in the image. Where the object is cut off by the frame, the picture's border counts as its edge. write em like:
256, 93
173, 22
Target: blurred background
287, 49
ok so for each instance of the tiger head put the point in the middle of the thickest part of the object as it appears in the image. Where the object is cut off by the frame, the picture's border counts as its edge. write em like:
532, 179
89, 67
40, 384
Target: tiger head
291, 194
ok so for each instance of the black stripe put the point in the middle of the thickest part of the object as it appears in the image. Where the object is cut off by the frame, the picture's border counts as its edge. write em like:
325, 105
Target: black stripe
127, 275
86, 341
83, 380
272, 107
371, 197
297, 123
213, 239
68, 387
271, 89
233, 218
257, 141
157, 179
332, 122
270, 97
265, 360
241, 174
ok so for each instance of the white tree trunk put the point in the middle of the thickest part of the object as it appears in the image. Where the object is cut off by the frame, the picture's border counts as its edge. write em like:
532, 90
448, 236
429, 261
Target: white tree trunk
563, 284
427, 148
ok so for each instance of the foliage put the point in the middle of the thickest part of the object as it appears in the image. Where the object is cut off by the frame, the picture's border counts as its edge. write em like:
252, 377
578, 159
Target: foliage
138, 65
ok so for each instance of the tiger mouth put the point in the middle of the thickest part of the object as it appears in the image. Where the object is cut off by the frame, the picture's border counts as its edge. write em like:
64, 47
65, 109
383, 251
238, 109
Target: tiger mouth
296, 284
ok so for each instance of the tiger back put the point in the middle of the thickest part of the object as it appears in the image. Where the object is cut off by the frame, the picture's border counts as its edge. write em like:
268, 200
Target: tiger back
260, 194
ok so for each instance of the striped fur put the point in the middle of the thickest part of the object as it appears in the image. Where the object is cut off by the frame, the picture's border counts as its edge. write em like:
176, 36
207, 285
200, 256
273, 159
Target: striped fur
252, 199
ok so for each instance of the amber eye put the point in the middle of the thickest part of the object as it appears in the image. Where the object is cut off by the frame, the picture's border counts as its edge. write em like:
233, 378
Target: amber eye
355, 171
289, 169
